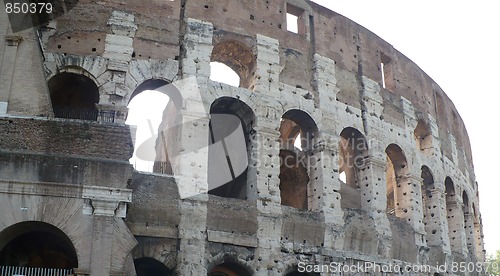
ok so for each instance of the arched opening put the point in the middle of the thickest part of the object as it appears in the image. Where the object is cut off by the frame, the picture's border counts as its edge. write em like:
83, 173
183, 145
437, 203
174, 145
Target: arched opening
230, 126
468, 224
229, 269
429, 213
478, 234
453, 216
353, 150
423, 137
297, 135
149, 266
238, 57
38, 245
222, 73
74, 96
146, 112
397, 181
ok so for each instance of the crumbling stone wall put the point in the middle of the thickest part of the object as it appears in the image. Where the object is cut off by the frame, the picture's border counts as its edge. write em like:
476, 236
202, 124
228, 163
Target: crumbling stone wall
410, 196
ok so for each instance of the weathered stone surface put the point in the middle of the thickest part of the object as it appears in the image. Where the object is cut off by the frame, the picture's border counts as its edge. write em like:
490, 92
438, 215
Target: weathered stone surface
409, 195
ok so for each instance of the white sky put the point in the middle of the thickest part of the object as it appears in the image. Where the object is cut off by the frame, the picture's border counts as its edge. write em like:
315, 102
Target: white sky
457, 44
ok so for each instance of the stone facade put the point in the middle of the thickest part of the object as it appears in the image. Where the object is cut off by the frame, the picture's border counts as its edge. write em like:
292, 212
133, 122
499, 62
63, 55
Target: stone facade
384, 173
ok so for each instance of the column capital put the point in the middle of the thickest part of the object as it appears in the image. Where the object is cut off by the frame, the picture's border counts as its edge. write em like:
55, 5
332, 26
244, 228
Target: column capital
106, 201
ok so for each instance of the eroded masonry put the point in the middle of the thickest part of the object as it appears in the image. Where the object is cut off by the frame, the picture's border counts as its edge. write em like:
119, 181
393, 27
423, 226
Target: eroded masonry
344, 150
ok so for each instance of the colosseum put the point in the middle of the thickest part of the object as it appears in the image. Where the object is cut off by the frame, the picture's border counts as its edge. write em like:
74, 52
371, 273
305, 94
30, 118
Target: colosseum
335, 148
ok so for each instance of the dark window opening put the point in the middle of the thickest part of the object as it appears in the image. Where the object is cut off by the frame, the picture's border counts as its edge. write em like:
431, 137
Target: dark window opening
149, 267
452, 210
230, 127
427, 201
38, 245
74, 96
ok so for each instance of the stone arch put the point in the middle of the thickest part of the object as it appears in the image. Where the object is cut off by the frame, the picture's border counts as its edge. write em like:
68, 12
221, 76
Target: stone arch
478, 234
295, 184
146, 266
229, 265
238, 57
353, 149
423, 136
92, 68
36, 244
430, 218
454, 216
397, 181
468, 212
161, 85
74, 95
231, 126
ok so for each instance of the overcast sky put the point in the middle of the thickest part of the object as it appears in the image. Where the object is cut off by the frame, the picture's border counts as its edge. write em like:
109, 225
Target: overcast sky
457, 44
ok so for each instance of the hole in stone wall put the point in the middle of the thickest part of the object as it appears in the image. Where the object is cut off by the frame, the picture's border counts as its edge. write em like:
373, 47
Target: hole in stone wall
423, 137
239, 58
295, 21
74, 96
150, 266
352, 152
146, 112
222, 73
396, 173
292, 23
426, 191
36, 244
453, 208
230, 126
297, 133
387, 72
343, 177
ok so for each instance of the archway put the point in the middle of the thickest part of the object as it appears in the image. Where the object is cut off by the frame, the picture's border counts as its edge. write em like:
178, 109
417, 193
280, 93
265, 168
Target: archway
353, 150
297, 137
222, 73
238, 57
469, 225
231, 122
74, 96
428, 201
454, 216
147, 106
36, 244
423, 137
149, 266
397, 181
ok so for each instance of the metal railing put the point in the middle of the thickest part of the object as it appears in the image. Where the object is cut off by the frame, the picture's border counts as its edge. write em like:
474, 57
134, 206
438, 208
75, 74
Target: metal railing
34, 271
88, 114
